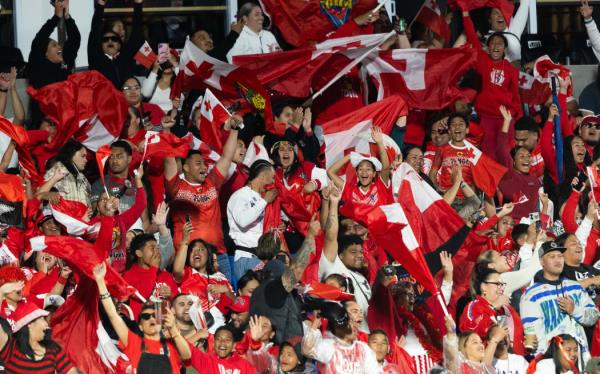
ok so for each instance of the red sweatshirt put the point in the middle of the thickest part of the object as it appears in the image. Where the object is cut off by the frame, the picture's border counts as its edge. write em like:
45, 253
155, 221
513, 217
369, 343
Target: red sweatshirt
499, 80
113, 230
146, 280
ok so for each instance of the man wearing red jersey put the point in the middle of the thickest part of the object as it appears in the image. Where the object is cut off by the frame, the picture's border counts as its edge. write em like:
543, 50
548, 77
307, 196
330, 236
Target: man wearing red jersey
196, 195
527, 134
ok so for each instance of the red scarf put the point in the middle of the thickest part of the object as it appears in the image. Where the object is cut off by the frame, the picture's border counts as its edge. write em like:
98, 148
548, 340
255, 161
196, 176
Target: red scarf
412, 321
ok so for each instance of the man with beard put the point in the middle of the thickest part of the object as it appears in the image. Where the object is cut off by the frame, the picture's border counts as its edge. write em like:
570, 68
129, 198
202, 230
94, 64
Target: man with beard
348, 262
240, 316
30, 348
181, 305
527, 134
343, 353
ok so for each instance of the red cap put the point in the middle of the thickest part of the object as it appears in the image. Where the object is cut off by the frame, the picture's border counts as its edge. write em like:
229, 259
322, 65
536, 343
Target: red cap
25, 313
590, 119
241, 305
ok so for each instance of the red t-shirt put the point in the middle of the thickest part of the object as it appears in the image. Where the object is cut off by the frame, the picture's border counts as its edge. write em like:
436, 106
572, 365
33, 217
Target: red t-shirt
134, 350
211, 363
201, 202
445, 157
377, 194
197, 284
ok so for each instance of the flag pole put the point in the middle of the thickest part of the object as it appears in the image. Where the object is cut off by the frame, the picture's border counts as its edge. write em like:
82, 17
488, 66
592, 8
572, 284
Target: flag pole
442, 303
346, 69
416, 16
381, 4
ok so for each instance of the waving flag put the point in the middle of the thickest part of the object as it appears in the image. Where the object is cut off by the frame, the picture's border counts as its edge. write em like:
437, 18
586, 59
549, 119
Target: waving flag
532, 89
146, 56
425, 78
432, 17
212, 116
304, 22
341, 135
390, 227
21, 138
229, 82
161, 144
425, 209
506, 7
299, 72
73, 215
86, 106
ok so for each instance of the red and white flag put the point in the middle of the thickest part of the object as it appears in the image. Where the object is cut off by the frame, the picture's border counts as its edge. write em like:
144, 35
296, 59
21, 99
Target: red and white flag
102, 155
432, 17
145, 56
300, 72
341, 136
212, 116
520, 198
486, 172
160, 144
506, 7
73, 215
391, 229
20, 136
86, 106
544, 69
231, 83
425, 209
532, 89
592, 173
425, 78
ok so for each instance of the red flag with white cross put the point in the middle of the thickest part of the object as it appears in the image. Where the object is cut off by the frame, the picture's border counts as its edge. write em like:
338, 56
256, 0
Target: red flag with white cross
212, 116
432, 17
426, 78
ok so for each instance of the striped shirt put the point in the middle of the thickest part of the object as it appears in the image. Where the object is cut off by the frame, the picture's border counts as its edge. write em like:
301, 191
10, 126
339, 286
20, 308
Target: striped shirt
54, 361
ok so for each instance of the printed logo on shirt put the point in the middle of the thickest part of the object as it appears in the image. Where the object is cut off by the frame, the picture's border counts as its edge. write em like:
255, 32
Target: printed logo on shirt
223, 370
497, 77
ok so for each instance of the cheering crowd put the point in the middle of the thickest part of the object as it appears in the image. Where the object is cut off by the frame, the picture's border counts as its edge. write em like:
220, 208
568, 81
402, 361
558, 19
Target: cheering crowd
183, 211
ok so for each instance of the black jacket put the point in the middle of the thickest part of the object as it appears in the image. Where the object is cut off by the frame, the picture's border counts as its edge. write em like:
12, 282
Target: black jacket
40, 70
122, 67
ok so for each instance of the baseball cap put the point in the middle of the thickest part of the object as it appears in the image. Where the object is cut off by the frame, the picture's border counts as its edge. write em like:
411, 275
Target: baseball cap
551, 246
241, 304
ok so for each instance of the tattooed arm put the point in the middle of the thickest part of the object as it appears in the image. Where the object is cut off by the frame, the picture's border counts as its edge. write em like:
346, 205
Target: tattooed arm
293, 273
330, 247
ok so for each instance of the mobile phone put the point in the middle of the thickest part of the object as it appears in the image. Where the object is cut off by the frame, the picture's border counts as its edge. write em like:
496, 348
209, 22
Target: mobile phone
534, 217
163, 52
188, 219
401, 25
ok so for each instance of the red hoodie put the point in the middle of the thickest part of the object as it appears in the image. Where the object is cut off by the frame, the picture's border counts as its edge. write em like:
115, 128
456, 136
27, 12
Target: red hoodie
499, 80
146, 280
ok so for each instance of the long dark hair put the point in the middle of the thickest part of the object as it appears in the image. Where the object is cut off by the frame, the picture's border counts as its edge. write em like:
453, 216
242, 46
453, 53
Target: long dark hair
22, 341
293, 167
66, 155
553, 352
479, 276
210, 249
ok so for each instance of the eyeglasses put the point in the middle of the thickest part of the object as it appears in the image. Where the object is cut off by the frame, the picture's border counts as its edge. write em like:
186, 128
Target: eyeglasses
147, 316
131, 88
591, 125
499, 284
113, 39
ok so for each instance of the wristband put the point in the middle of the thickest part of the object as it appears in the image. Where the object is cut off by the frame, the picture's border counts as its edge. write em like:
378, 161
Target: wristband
3, 90
463, 185
104, 296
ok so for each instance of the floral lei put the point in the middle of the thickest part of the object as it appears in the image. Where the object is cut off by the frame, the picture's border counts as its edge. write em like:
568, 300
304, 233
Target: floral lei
434, 353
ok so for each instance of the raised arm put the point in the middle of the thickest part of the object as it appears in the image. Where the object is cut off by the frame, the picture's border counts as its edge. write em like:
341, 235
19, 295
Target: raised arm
94, 46
170, 165
293, 273
330, 246
180, 257
470, 32
136, 39
74, 38
503, 153
230, 145
333, 170
519, 20
383, 156
109, 307
590, 25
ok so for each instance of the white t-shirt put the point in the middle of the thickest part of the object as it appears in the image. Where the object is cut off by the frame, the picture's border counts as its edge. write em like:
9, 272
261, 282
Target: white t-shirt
4, 142
362, 289
515, 364
547, 367
245, 214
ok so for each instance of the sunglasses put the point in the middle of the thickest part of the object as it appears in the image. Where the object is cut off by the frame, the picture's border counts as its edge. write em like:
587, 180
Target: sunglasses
131, 88
147, 316
591, 125
114, 39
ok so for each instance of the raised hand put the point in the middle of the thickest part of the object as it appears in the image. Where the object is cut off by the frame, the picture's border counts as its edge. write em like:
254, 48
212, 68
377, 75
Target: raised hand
506, 115
256, 328
160, 217
377, 134
446, 260
586, 10
100, 271
314, 227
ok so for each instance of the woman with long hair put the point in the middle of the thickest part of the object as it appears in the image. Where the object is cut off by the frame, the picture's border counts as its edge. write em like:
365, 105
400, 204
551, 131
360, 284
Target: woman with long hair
157, 86
561, 357
194, 271
465, 353
66, 176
